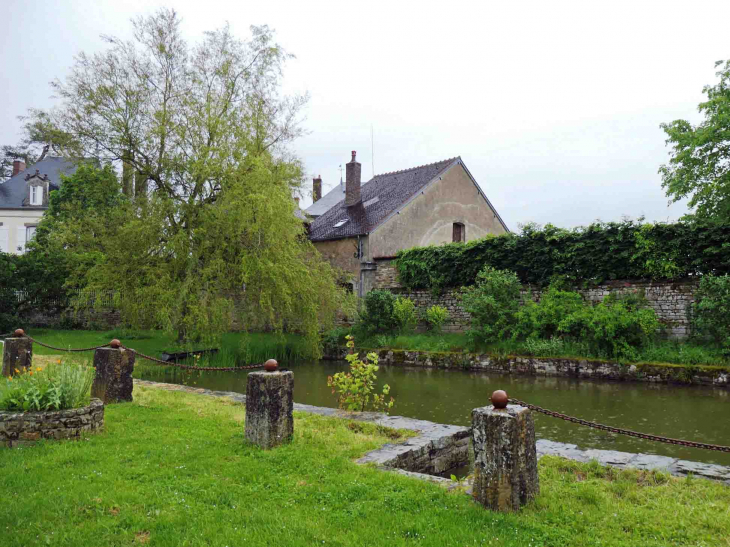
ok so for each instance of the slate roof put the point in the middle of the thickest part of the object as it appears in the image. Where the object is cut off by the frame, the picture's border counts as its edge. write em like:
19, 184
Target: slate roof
392, 190
14, 190
329, 200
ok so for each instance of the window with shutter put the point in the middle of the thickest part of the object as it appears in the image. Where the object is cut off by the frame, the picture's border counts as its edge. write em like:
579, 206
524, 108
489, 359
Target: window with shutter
459, 232
20, 239
4, 240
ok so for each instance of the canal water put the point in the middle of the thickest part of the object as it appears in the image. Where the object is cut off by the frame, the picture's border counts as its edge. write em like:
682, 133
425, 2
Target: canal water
697, 413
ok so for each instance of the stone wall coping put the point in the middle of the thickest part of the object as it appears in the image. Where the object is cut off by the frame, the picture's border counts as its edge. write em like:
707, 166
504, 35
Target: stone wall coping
6, 415
434, 433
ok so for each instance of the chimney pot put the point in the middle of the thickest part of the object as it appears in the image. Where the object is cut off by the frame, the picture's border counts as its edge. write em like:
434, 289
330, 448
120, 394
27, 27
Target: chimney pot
297, 200
18, 167
317, 189
352, 184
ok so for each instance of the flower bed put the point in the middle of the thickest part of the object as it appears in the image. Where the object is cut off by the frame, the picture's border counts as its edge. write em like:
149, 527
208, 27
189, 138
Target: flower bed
24, 428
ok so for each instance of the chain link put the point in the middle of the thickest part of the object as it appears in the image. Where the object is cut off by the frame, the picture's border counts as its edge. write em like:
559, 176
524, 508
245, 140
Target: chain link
620, 431
189, 367
64, 349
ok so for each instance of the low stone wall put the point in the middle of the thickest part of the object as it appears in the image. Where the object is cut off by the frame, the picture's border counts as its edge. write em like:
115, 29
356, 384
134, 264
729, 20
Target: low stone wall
670, 300
555, 366
24, 428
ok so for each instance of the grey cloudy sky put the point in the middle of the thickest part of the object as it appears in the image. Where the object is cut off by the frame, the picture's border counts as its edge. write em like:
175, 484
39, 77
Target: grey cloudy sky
554, 106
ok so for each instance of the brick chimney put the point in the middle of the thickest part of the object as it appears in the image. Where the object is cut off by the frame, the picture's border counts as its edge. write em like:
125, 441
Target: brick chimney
317, 189
18, 167
352, 182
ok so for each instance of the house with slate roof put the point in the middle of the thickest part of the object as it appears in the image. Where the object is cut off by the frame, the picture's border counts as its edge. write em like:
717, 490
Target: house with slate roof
24, 199
358, 225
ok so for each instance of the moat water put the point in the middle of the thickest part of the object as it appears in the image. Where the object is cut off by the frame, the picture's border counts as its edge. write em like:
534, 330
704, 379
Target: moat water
696, 413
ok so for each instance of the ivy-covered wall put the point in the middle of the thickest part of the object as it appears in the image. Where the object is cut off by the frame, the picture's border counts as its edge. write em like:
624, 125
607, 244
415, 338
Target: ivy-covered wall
585, 256
670, 299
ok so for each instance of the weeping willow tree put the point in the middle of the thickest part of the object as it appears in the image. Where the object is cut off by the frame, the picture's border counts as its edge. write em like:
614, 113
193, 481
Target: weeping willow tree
207, 229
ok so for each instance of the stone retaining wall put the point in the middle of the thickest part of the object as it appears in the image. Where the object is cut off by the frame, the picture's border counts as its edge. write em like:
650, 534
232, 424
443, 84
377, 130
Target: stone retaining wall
670, 301
555, 366
24, 428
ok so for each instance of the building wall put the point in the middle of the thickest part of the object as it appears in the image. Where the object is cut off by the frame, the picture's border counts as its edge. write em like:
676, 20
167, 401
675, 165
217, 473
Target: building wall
670, 300
429, 218
12, 220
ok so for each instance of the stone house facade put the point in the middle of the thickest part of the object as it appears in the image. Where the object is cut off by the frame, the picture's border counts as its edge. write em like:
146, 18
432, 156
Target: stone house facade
426, 205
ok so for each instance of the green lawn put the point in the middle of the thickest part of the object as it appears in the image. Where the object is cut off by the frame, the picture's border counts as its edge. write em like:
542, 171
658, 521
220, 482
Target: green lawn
173, 469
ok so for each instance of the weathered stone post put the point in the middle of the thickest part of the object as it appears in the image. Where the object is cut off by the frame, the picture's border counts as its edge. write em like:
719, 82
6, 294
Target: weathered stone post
114, 366
505, 458
270, 406
17, 353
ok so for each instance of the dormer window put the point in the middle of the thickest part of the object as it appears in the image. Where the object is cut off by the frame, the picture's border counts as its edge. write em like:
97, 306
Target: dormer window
36, 195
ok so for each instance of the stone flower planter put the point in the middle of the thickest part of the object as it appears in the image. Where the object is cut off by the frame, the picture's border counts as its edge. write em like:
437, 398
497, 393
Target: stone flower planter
24, 428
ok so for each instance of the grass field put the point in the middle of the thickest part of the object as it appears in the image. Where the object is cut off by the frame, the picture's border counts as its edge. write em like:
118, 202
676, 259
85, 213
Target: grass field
173, 469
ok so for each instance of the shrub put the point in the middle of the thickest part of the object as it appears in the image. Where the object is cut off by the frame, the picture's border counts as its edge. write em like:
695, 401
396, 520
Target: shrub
611, 328
355, 389
377, 315
404, 313
492, 303
711, 310
542, 319
55, 387
333, 338
436, 316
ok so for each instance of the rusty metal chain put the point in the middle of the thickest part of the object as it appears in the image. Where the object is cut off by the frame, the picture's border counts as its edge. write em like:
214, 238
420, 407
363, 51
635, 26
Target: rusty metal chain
610, 429
64, 349
189, 367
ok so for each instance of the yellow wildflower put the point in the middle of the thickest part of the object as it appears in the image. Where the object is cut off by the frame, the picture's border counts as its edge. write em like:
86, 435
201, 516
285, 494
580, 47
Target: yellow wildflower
17, 371
38, 369
31, 373
58, 362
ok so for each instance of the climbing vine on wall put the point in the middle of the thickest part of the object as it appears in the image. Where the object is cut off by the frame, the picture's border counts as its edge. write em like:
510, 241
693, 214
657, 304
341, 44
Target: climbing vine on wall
587, 255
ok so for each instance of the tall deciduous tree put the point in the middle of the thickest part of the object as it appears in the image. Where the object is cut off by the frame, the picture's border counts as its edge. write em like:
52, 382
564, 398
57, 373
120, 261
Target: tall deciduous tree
202, 133
699, 167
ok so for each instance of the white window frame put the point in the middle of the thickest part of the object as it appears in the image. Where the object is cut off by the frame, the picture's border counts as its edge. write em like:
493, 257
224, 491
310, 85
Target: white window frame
36, 195
30, 232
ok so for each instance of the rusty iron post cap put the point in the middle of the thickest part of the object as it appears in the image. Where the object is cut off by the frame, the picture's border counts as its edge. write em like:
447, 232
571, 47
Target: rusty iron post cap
115, 344
500, 399
19, 333
271, 365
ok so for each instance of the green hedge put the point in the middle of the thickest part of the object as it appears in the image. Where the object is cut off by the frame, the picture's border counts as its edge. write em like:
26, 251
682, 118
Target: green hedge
588, 255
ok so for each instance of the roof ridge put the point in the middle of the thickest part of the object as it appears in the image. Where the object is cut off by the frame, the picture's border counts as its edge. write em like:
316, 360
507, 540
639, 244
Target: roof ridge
449, 160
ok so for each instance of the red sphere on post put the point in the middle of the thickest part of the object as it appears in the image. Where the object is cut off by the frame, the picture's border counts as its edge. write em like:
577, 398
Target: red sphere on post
19, 333
271, 365
115, 343
500, 399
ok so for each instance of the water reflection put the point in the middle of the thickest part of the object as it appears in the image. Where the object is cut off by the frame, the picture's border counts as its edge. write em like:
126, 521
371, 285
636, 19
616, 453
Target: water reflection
696, 413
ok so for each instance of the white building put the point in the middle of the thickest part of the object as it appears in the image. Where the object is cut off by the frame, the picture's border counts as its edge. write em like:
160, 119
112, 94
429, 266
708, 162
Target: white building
24, 199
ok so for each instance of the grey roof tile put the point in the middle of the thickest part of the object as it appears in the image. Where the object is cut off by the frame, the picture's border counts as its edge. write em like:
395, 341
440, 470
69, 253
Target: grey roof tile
14, 190
392, 190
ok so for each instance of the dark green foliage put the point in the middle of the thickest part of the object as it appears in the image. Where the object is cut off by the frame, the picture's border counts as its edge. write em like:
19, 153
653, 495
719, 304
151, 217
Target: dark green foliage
588, 255
8, 300
377, 315
711, 310
492, 303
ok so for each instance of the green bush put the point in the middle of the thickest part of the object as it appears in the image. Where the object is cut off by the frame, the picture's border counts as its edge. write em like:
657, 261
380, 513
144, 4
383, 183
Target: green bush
333, 339
377, 315
492, 303
404, 313
436, 316
55, 387
611, 328
711, 310
542, 319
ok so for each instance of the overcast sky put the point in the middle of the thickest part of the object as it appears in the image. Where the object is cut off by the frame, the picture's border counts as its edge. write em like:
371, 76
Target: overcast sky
553, 106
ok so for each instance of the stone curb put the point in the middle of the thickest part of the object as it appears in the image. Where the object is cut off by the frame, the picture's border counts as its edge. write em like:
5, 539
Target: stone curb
438, 445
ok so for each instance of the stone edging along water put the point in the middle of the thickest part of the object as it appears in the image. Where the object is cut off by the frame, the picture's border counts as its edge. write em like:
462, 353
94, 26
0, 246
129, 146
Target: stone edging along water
554, 366
25, 428
440, 447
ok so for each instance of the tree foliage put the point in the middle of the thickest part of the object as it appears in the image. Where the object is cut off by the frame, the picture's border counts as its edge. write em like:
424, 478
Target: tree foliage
207, 227
492, 303
588, 255
699, 166
711, 310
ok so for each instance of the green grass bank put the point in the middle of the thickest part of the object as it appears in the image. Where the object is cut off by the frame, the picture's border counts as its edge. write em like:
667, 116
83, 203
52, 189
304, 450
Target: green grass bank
173, 469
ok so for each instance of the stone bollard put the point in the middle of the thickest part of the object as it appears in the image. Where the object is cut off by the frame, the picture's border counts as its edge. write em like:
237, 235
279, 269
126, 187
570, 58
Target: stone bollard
505, 457
270, 406
17, 353
113, 381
